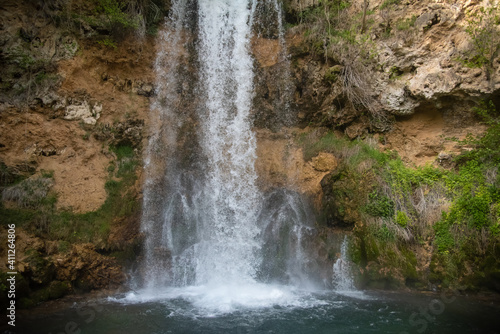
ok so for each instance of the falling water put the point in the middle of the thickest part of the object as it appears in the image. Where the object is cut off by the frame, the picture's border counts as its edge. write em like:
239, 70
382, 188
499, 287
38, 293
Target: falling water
342, 276
208, 229
226, 248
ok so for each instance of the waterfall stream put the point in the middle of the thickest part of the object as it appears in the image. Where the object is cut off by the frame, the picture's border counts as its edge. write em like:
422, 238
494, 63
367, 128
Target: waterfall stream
342, 276
209, 231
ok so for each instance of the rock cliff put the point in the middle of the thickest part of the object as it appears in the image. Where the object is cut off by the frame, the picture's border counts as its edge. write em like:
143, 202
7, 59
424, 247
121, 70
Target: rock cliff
403, 75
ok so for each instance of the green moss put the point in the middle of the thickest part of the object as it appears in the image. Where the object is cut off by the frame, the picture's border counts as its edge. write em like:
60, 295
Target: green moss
20, 217
58, 289
55, 290
63, 246
397, 205
410, 263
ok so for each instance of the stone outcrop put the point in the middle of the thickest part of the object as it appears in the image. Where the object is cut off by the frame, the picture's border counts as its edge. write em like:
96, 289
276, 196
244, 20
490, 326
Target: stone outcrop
83, 111
412, 66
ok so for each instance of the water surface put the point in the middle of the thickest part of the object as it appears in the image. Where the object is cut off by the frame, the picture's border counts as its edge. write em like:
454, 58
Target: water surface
267, 309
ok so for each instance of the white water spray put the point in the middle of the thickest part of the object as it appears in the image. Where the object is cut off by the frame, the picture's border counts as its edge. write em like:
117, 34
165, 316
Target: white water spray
211, 236
227, 248
342, 276
200, 213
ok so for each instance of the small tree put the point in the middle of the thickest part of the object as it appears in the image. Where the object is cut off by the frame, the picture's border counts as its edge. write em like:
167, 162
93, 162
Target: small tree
482, 27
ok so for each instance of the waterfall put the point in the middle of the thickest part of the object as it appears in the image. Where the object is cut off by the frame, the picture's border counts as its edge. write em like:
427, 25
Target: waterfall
227, 247
200, 199
342, 276
205, 222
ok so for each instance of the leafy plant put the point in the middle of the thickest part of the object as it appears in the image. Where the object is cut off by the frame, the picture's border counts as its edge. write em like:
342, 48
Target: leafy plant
385, 234
379, 205
108, 42
402, 219
116, 14
482, 28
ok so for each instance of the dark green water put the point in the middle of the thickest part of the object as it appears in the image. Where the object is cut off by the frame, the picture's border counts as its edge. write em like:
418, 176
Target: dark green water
291, 312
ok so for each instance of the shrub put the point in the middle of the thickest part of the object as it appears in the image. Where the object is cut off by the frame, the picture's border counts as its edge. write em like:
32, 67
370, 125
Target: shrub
379, 205
406, 24
116, 14
401, 219
482, 28
29, 193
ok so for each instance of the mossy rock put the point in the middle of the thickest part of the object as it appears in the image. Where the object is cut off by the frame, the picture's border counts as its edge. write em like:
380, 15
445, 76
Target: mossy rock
58, 289
41, 271
415, 284
372, 249
410, 264
83, 286
26, 303
55, 290
378, 277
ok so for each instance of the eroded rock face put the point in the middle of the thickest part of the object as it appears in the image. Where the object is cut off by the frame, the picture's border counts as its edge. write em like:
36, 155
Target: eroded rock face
84, 264
52, 272
65, 102
412, 66
280, 163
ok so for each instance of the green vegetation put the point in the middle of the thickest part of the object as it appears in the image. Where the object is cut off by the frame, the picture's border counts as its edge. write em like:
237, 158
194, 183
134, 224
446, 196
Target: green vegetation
389, 3
456, 212
343, 39
35, 209
406, 24
117, 15
28, 72
379, 205
108, 42
401, 219
120, 17
483, 29
395, 73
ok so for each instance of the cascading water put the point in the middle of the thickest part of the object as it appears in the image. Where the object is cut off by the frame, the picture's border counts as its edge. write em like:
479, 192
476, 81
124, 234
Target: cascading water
342, 276
227, 246
209, 231
202, 226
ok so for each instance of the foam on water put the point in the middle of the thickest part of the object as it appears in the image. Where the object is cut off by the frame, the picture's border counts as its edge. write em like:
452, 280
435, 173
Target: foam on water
215, 300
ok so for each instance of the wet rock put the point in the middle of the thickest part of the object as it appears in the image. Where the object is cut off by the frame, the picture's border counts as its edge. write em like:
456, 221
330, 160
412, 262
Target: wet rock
128, 133
83, 264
